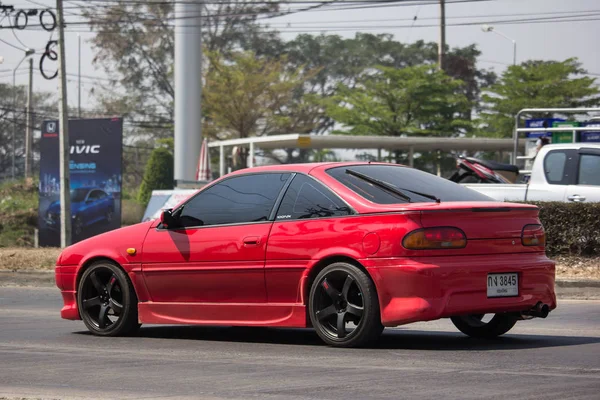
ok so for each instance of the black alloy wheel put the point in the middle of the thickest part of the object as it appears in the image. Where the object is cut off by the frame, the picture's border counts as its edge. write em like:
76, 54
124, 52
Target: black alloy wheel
343, 306
77, 226
106, 300
109, 216
486, 326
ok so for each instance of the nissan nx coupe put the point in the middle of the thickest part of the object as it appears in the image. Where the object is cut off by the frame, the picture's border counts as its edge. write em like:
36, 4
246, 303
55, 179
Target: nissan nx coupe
347, 248
88, 206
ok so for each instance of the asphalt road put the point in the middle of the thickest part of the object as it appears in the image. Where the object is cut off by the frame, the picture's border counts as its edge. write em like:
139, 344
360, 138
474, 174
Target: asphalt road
42, 356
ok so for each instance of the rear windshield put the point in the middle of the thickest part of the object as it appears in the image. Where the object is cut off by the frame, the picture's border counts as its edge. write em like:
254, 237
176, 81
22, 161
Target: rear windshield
405, 180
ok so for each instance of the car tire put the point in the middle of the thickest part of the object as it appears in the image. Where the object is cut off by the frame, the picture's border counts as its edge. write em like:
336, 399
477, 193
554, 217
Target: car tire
77, 226
472, 325
109, 216
343, 293
107, 301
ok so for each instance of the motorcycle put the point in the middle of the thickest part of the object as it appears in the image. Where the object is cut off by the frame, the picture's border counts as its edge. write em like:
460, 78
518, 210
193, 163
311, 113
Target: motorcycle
474, 170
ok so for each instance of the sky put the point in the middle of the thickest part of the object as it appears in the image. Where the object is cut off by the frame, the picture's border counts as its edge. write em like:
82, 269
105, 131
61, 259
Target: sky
541, 41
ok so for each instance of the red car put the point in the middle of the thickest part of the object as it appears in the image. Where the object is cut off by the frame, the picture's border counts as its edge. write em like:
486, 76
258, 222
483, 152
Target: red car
347, 248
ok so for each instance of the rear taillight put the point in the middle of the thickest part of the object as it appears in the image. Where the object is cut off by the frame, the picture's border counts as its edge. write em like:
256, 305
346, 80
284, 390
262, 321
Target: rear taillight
533, 235
435, 238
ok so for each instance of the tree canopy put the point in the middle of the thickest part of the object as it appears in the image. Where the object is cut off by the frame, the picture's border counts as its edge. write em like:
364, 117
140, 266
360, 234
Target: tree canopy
536, 84
393, 102
257, 83
249, 95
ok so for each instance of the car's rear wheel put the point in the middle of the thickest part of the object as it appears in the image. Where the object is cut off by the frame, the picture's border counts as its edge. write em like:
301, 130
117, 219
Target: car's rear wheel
343, 306
106, 300
476, 325
77, 226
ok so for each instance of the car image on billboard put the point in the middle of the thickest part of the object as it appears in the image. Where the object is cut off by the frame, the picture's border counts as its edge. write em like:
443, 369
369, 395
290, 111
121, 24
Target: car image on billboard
88, 207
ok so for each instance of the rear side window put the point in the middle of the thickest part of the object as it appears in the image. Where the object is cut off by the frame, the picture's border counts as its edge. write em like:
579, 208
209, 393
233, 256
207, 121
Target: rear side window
554, 167
404, 179
307, 198
589, 170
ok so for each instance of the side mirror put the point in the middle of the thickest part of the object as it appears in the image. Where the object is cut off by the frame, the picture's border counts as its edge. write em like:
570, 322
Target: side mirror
167, 219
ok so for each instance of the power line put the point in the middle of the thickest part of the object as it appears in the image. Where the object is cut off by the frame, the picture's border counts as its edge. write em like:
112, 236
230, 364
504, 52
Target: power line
549, 19
318, 5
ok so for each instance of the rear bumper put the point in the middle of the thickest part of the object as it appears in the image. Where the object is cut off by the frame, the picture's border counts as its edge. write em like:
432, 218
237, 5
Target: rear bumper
428, 288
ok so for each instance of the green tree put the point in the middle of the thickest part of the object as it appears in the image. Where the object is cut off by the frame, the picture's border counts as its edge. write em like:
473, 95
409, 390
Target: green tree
13, 121
392, 102
158, 175
254, 96
418, 100
134, 42
536, 84
345, 60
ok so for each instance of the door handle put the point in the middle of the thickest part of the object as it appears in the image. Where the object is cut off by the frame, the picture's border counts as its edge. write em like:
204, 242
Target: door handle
576, 198
252, 241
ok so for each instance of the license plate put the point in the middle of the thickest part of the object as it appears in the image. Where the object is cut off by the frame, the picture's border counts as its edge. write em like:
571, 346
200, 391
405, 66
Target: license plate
503, 285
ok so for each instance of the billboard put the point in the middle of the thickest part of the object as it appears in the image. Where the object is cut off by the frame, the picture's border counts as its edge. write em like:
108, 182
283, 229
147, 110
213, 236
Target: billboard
95, 171
540, 123
591, 136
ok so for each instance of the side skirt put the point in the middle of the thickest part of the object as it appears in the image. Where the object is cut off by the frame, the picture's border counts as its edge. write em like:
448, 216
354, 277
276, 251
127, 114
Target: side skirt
229, 314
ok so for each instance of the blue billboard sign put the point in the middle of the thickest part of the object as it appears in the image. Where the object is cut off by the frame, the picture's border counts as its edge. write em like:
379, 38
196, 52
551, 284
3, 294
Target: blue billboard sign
591, 136
540, 123
95, 172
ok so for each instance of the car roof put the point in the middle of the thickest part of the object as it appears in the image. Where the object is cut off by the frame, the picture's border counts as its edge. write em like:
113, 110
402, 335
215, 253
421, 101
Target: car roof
577, 145
304, 168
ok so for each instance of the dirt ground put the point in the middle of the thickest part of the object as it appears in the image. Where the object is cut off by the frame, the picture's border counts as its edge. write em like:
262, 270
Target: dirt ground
33, 260
27, 259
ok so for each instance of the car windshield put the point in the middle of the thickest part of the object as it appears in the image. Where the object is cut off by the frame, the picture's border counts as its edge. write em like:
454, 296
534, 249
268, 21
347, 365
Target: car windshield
78, 195
417, 185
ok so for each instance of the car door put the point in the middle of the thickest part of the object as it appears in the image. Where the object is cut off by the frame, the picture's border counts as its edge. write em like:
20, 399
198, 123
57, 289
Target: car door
90, 208
217, 254
307, 220
559, 170
587, 187
102, 204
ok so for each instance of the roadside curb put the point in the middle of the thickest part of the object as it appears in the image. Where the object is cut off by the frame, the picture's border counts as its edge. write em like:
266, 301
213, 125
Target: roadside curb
577, 283
581, 289
27, 278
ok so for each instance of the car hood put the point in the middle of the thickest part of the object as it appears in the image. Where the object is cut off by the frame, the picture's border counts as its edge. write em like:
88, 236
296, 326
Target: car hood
112, 244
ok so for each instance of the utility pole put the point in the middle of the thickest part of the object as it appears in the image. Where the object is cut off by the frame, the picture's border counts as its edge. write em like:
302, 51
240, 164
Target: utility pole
188, 88
79, 75
28, 52
29, 124
65, 181
442, 43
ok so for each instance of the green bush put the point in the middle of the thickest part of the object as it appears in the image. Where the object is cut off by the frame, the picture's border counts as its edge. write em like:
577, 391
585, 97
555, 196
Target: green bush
158, 174
18, 213
571, 228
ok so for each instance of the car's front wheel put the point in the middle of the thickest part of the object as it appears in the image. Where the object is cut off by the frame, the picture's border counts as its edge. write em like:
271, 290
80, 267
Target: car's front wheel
477, 325
106, 300
343, 306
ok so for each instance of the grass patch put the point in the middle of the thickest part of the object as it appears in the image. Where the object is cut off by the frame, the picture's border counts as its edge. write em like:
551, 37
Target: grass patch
18, 213
132, 212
